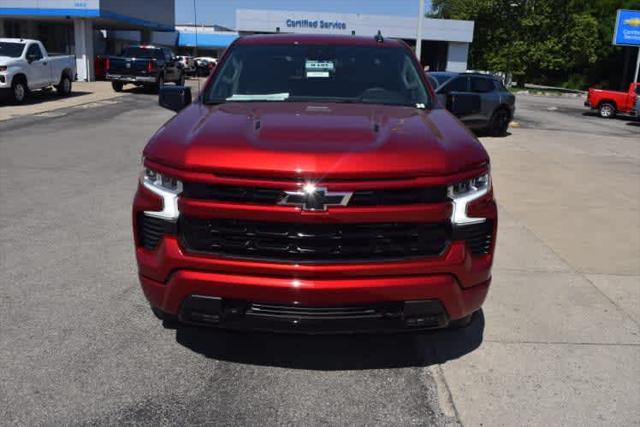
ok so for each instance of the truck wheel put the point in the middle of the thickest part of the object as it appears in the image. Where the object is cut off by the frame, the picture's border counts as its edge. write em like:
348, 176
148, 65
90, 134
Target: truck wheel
169, 321
607, 110
180, 81
64, 88
19, 91
159, 84
117, 86
499, 122
460, 323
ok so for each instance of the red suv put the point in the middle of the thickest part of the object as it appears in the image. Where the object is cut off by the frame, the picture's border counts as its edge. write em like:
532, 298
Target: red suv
316, 185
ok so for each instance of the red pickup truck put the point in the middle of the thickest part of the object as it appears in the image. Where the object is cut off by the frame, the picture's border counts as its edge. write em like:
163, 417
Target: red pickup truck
610, 102
315, 185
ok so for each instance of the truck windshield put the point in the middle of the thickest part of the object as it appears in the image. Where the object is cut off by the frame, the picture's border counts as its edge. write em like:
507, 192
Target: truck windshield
323, 73
11, 50
141, 52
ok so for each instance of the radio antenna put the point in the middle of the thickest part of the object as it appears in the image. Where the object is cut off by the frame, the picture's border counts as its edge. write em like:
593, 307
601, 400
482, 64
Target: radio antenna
195, 50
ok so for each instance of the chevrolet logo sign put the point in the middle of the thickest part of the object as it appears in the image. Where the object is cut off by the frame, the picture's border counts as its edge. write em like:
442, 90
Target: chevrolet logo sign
312, 198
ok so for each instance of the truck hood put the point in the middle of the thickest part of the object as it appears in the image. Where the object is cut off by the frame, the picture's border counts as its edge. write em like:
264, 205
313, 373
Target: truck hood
7, 60
327, 140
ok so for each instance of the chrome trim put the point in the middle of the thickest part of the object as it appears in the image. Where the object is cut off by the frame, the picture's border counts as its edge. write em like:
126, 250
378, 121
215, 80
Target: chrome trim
459, 212
170, 211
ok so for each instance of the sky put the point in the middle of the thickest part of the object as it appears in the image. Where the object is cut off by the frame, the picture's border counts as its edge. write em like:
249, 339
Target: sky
223, 12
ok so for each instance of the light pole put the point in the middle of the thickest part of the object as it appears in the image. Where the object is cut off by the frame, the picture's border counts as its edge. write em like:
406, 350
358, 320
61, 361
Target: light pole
419, 30
637, 65
507, 77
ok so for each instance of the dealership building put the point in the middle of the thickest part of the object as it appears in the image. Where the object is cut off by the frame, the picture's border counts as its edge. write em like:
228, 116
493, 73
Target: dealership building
445, 42
89, 28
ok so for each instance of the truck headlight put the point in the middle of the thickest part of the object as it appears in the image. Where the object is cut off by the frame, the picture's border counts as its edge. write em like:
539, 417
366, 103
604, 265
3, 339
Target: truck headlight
464, 192
168, 188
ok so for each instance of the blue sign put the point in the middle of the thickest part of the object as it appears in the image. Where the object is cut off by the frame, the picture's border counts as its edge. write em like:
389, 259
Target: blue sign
627, 30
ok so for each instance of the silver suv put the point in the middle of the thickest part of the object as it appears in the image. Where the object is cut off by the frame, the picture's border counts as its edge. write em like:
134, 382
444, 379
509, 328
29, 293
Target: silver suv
496, 105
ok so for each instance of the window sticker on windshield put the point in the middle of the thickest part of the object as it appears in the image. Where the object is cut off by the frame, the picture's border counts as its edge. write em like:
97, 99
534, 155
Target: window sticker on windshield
321, 69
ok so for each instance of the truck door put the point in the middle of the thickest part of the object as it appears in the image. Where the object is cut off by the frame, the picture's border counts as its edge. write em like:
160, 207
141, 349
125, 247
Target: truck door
458, 84
489, 97
39, 69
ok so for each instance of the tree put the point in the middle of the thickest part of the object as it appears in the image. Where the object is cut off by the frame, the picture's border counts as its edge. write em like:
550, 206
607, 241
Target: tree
542, 41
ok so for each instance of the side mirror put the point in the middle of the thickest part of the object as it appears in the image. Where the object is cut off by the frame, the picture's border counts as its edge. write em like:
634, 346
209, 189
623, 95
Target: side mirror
174, 98
463, 104
31, 58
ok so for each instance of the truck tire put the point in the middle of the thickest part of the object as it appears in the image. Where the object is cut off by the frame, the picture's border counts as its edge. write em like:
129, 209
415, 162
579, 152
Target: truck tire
607, 110
180, 81
169, 321
117, 86
499, 122
159, 84
460, 323
19, 91
64, 87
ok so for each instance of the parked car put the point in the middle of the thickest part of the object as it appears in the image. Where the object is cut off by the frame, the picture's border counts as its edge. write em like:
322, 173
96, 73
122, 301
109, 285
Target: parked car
204, 65
611, 102
188, 64
496, 105
25, 65
316, 185
144, 66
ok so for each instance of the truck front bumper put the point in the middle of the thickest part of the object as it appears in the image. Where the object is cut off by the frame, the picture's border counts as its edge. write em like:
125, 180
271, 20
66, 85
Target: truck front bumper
131, 79
404, 295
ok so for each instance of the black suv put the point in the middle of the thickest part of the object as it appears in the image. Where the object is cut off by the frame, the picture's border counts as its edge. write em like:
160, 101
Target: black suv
144, 66
496, 104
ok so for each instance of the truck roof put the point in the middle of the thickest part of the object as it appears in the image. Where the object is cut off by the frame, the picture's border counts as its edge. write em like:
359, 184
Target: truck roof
262, 39
16, 40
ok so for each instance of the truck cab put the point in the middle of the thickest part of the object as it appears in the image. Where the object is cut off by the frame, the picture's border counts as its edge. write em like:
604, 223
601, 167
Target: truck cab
25, 66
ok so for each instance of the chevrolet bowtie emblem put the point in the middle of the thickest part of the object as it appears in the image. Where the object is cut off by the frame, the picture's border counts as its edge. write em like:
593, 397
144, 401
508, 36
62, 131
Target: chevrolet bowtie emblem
312, 198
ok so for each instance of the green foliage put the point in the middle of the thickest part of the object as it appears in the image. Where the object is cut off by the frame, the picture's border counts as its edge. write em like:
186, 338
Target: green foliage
543, 41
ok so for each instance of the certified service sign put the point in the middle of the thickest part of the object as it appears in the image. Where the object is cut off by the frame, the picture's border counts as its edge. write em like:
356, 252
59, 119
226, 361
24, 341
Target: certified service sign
627, 30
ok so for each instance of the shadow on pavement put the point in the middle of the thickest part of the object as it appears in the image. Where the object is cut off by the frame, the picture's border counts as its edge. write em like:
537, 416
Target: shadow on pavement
38, 97
619, 116
479, 133
149, 90
334, 352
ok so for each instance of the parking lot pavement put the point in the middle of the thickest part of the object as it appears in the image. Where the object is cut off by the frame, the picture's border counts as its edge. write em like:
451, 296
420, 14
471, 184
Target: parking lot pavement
85, 94
561, 342
43, 102
558, 342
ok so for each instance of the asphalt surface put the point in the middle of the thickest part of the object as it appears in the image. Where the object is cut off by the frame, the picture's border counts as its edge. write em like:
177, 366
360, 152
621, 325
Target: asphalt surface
570, 115
79, 345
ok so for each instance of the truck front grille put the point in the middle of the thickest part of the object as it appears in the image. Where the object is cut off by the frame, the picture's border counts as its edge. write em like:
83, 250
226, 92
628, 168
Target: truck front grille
324, 313
271, 196
303, 242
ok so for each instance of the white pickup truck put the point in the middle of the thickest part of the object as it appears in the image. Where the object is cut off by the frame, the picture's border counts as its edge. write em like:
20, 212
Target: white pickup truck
25, 65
